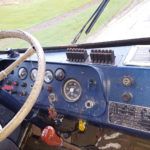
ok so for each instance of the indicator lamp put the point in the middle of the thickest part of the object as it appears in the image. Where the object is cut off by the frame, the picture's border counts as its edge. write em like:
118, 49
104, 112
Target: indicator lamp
16, 83
49, 89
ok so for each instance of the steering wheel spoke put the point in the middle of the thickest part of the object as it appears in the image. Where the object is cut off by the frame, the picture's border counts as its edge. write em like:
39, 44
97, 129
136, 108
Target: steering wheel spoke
0, 128
28, 53
26, 108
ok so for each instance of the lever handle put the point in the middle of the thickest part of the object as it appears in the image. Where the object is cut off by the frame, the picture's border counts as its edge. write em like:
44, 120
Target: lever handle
49, 137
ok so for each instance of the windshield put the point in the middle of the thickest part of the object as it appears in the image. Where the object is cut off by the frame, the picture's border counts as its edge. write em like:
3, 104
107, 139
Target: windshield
55, 22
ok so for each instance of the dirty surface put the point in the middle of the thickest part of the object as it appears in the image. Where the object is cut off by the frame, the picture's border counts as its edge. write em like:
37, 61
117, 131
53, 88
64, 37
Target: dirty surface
126, 142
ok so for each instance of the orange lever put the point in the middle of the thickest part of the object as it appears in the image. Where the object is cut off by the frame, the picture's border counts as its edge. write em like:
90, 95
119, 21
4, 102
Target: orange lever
49, 137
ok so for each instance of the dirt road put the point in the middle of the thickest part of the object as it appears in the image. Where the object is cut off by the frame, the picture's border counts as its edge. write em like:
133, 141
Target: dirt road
133, 23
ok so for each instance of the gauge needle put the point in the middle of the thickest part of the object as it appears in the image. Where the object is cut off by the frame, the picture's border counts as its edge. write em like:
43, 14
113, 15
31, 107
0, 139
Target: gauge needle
68, 93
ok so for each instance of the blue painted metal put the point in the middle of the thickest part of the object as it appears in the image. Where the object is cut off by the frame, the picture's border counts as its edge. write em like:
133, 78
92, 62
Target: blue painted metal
9, 101
108, 85
82, 73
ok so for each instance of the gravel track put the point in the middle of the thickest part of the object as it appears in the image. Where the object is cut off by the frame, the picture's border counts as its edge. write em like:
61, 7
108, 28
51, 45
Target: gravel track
134, 22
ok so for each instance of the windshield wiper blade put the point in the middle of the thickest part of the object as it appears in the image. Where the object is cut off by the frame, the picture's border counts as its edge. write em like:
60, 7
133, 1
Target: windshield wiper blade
101, 9
94, 16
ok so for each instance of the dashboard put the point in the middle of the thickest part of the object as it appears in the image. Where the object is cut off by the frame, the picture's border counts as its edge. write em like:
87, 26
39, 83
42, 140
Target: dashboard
74, 88
108, 86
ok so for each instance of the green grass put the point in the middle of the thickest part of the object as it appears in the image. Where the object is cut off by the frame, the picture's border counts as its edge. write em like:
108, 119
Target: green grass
25, 15
63, 33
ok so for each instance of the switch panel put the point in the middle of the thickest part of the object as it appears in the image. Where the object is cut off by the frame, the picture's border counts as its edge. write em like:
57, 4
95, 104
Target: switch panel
76, 54
102, 56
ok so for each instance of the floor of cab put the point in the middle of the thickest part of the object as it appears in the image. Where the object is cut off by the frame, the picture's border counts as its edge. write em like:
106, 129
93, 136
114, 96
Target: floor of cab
127, 142
35, 143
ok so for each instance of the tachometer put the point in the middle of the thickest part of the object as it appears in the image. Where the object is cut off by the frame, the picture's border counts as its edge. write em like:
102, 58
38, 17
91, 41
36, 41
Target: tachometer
22, 73
48, 76
33, 74
72, 90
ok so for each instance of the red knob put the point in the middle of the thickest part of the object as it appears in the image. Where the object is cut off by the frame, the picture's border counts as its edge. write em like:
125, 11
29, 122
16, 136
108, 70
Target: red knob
49, 137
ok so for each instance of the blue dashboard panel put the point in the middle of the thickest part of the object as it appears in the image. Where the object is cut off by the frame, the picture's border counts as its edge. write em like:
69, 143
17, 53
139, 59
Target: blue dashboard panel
139, 90
92, 101
115, 94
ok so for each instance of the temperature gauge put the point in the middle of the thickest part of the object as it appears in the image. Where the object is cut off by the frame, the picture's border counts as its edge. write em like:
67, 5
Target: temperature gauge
72, 90
22, 73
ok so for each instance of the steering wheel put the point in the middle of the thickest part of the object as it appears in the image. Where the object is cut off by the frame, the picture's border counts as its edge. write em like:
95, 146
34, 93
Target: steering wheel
25, 109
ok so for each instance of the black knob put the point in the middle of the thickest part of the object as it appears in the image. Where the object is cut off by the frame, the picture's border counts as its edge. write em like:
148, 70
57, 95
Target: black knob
24, 84
127, 96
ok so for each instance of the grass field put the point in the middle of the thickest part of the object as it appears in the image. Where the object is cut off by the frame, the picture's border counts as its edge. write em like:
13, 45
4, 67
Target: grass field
64, 32
25, 15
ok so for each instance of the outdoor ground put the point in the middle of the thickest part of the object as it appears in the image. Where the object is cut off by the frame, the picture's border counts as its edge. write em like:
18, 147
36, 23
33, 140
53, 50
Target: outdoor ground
134, 22
53, 22
12, 2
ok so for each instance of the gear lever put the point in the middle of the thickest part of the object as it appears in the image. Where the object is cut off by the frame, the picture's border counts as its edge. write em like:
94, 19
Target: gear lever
49, 137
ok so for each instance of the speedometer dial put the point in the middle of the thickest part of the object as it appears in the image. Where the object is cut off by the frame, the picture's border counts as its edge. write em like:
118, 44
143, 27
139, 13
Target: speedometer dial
72, 90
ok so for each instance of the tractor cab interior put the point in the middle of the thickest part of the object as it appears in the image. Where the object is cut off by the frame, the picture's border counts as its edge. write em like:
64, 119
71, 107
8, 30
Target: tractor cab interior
91, 96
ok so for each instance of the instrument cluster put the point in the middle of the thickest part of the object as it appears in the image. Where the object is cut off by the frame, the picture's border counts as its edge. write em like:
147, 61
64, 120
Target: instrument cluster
49, 75
71, 88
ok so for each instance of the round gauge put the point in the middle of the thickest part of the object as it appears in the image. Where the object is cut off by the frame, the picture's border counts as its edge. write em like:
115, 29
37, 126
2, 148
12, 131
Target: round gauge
22, 73
48, 76
33, 74
72, 90
60, 74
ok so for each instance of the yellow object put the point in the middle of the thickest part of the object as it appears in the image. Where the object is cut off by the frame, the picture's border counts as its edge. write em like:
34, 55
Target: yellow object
82, 125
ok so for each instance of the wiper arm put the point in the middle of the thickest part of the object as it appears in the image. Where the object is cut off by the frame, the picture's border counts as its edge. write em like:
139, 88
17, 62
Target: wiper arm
94, 16
101, 9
